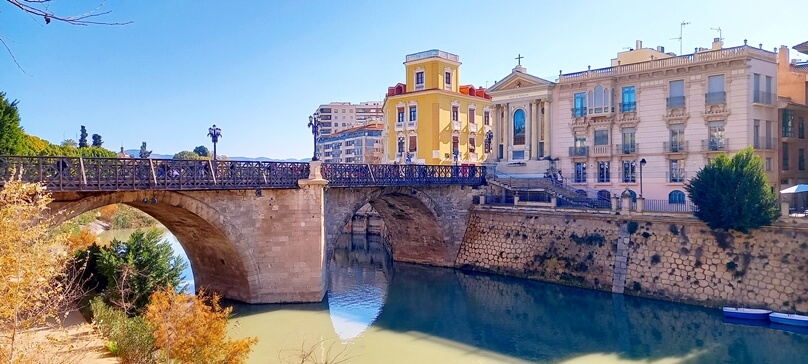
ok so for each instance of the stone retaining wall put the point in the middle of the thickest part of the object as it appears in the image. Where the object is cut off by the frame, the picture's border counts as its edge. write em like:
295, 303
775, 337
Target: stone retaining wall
669, 257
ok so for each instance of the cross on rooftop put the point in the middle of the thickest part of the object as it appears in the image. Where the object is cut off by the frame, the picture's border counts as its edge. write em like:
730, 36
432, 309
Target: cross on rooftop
519, 59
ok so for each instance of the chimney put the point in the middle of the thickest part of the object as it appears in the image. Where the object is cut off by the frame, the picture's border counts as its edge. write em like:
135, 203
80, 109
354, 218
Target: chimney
782, 55
717, 44
660, 49
639, 45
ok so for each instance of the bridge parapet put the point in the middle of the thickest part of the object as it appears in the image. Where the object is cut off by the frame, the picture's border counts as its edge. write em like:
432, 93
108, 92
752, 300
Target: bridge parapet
384, 175
129, 174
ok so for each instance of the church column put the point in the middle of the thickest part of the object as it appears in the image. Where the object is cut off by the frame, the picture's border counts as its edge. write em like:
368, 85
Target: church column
508, 133
496, 129
536, 131
529, 131
548, 128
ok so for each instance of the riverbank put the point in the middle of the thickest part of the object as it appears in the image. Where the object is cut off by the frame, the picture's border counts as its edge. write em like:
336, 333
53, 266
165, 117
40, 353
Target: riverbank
74, 341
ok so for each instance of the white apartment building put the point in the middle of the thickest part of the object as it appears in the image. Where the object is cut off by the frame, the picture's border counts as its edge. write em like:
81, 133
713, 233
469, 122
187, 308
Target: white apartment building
362, 144
338, 116
652, 120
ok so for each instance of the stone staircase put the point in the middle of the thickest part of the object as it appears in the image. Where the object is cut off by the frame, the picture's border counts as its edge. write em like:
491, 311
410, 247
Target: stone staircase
563, 192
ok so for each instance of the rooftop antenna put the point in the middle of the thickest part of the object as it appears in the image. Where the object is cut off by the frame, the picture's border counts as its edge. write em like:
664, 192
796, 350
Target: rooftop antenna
681, 29
719, 33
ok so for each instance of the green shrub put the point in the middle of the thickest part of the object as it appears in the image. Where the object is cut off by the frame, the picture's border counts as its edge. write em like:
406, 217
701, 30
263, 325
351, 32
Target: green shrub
733, 193
632, 227
129, 338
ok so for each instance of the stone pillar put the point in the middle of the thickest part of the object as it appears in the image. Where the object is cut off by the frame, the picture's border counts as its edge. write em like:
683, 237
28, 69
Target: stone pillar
536, 129
615, 204
482, 199
529, 131
515, 199
640, 204
507, 133
548, 140
306, 279
784, 207
554, 200
626, 201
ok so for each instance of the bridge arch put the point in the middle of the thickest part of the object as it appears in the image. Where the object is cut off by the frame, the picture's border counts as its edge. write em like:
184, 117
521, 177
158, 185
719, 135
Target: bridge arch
217, 251
415, 221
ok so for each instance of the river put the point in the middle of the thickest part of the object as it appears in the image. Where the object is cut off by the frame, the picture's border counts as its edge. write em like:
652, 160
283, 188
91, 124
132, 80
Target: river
379, 311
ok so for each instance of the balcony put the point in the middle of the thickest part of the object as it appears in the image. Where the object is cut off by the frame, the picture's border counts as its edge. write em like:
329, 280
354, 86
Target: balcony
578, 112
399, 126
601, 150
579, 151
628, 106
472, 157
675, 176
763, 143
603, 110
473, 127
763, 97
626, 149
715, 145
674, 147
715, 98
412, 125
456, 126
675, 102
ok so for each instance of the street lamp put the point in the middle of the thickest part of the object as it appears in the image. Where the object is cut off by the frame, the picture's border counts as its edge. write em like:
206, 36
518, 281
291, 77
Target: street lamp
314, 124
489, 137
642, 163
214, 133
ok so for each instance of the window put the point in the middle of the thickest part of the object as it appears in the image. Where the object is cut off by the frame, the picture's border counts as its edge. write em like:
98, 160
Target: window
472, 114
413, 144
677, 172
769, 132
785, 156
580, 172
487, 117
400, 118
768, 164
601, 137
629, 171
716, 139
447, 78
801, 128
801, 156
756, 135
400, 149
518, 155
788, 123
343, 111
756, 88
472, 144
715, 90
676, 94
455, 113
419, 79
455, 146
629, 145
519, 127
580, 105
628, 102
413, 113
676, 197
580, 148
599, 100
677, 143
603, 172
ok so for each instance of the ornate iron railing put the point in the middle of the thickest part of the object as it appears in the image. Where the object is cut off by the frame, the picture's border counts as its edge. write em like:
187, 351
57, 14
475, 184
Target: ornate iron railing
370, 175
120, 174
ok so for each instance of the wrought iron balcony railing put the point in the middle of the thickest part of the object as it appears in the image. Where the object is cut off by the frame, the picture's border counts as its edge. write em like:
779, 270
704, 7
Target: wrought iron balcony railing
627, 149
676, 176
763, 143
578, 112
674, 147
628, 106
715, 98
715, 144
763, 97
579, 151
676, 102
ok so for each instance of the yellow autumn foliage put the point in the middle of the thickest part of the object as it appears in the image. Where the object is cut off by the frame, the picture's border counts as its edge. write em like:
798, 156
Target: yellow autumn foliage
35, 284
193, 329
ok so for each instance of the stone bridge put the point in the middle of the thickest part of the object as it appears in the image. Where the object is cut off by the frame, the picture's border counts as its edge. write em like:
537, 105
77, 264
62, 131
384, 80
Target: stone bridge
260, 232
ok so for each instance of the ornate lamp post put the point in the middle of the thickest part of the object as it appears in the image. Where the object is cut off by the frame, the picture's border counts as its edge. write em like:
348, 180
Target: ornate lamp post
214, 133
642, 163
314, 124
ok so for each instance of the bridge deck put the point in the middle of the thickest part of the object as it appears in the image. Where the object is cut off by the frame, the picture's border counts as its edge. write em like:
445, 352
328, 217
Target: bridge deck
119, 174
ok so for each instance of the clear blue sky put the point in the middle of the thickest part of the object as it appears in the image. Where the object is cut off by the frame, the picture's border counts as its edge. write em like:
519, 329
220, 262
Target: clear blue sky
258, 69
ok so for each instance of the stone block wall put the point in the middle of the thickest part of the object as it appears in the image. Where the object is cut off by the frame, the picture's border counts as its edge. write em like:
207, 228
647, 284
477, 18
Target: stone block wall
669, 257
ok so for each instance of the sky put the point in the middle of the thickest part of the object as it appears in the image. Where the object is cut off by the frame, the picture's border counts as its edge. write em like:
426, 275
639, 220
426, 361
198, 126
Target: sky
258, 69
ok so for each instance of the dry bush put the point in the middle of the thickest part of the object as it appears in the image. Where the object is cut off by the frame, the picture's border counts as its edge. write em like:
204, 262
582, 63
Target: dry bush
107, 213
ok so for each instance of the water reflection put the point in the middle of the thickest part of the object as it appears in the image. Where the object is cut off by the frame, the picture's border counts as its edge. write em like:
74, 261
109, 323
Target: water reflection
383, 312
358, 281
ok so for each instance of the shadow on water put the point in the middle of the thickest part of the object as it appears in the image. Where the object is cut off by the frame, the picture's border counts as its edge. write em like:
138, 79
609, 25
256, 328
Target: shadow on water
370, 299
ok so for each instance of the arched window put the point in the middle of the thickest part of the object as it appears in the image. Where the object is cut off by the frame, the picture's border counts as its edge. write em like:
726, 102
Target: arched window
604, 195
519, 127
677, 197
633, 195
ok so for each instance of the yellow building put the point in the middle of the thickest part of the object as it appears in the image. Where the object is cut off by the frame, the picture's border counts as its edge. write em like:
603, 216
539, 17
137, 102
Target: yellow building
432, 119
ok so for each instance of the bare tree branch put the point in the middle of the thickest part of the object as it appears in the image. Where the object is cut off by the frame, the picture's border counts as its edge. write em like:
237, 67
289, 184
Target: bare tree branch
41, 8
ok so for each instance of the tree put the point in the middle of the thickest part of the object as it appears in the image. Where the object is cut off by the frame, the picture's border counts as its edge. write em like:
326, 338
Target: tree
138, 267
97, 142
733, 193
36, 284
187, 155
12, 136
83, 138
202, 151
144, 153
193, 329
70, 143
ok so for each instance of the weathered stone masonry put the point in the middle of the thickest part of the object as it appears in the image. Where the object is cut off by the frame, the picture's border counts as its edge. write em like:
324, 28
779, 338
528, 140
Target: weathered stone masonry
673, 258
